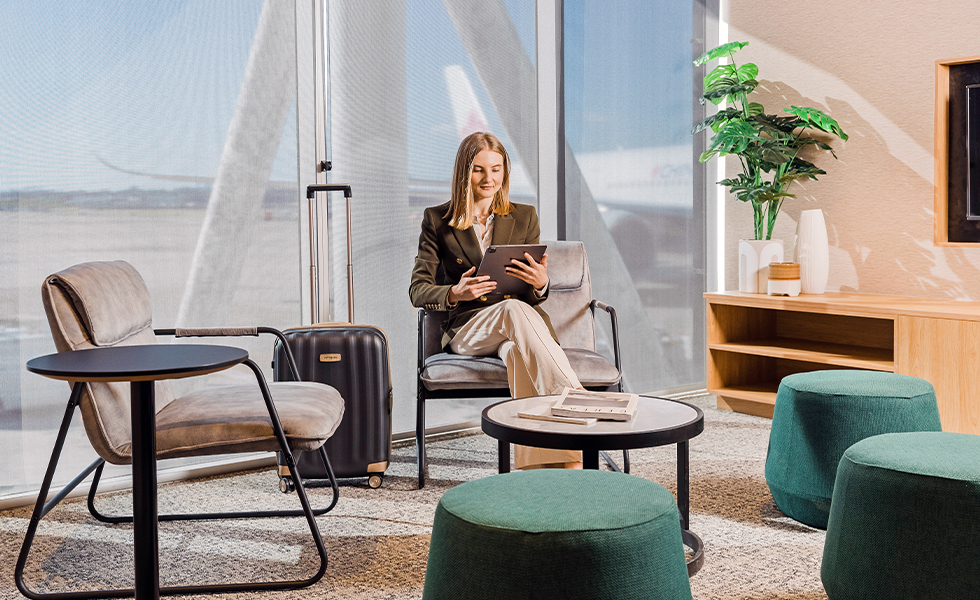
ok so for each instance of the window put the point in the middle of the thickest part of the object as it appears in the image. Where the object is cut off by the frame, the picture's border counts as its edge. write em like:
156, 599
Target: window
629, 179
405, 88
122, 123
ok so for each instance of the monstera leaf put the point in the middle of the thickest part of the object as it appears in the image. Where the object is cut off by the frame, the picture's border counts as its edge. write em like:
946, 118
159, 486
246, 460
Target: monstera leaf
723, 50
716, 120
819, 119
734, 137
736, 73
722, 92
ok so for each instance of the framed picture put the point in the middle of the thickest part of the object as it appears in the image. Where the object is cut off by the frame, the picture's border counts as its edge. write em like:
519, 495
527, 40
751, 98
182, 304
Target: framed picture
973, 151
957, 152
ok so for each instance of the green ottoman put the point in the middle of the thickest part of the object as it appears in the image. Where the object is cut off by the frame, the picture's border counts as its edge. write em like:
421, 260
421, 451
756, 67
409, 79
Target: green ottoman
554, 533
819, 414
904, 519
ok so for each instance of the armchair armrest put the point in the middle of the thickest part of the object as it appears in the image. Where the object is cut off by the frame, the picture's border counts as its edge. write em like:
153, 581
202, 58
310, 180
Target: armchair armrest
596, 304
235, 332
215, 331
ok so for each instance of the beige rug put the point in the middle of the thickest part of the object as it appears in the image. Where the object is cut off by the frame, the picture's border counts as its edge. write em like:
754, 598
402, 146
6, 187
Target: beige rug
377, 540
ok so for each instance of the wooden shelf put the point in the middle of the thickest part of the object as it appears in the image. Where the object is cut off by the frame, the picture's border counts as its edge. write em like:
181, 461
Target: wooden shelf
764, 393
754, 340
757, 399
840, 355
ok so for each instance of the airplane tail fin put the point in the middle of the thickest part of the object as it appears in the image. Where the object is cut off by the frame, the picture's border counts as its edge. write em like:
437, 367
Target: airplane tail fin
468, 116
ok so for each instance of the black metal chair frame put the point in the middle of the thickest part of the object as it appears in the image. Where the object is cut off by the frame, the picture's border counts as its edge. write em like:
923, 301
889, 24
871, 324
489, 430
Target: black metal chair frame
423, 394
41, 508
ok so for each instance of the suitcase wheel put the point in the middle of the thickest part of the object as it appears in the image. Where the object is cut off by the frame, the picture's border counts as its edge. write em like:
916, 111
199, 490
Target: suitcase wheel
286, 485
374, 481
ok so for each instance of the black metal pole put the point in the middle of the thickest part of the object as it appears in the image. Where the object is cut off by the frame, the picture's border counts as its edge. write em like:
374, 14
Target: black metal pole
143, 419
590, 459
683, 483
503, 456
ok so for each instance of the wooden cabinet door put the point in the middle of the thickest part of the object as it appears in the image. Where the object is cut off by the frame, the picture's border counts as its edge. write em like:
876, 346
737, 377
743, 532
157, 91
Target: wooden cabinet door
946, 353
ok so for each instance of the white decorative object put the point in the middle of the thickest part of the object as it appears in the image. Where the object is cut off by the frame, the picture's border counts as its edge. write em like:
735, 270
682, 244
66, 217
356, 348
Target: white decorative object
812, 252
754, 257
784, 279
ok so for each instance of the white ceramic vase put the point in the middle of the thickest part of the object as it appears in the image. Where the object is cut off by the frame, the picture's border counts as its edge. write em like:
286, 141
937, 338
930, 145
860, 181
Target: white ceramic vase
754, 257
812, 252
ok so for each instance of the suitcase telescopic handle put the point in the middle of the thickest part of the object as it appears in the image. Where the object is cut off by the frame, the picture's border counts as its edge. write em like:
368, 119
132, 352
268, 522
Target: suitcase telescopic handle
311, 191
328, 187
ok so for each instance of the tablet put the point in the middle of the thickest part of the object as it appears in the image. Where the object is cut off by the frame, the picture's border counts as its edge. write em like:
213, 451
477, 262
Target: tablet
498, 257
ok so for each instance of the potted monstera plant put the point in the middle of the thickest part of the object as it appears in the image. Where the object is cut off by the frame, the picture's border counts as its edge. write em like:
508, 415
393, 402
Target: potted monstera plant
768, 146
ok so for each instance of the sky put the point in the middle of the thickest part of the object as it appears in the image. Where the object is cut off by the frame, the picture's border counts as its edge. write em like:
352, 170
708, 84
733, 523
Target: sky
147, 86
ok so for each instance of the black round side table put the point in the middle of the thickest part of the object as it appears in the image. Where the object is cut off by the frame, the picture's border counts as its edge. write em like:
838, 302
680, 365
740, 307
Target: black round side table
141, 366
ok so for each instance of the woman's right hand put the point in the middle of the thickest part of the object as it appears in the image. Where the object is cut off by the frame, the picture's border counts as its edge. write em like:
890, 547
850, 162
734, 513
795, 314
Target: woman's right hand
470, 288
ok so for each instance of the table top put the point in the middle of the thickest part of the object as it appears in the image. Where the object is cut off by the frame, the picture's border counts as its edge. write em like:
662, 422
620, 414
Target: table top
658, 421
137, 363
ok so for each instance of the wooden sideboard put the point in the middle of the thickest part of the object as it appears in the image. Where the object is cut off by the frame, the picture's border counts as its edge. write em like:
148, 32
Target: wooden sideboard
754, 340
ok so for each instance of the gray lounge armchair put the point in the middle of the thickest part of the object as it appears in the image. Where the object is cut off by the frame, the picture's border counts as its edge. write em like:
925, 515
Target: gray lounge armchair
443, 375
105, 304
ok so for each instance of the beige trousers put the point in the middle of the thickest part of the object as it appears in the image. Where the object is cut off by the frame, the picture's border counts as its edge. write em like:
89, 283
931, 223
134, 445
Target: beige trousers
536, 364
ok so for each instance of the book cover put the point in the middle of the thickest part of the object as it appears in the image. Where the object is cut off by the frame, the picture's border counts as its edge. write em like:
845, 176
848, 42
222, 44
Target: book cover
614, 406
543, 413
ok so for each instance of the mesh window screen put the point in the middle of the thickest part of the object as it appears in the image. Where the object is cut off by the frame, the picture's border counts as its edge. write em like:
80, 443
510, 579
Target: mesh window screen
629, 179
160, 133
409, 80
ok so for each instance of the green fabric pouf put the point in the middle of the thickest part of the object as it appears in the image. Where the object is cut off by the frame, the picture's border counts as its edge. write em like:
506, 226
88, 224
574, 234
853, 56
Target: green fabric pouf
904, 519
554, 533
820, 414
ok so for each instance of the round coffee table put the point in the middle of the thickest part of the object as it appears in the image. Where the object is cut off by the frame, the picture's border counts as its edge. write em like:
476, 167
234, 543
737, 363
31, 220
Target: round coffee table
657, 422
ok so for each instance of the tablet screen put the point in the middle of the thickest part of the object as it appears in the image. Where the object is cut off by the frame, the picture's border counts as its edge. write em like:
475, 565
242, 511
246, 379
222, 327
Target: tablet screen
496, 258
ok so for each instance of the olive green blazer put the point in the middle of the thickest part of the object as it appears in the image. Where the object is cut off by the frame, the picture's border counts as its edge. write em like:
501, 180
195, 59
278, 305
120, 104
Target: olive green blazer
445, 253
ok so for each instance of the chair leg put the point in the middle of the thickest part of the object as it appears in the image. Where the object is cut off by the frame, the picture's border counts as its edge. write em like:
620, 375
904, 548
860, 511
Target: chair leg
115, 519
420, 435
223, 515
40, 508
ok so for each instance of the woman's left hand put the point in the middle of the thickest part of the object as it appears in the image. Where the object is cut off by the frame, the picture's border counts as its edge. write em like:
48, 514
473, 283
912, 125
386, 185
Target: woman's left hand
535, 273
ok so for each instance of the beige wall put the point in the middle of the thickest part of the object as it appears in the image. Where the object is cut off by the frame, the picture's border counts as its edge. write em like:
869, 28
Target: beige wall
870, 65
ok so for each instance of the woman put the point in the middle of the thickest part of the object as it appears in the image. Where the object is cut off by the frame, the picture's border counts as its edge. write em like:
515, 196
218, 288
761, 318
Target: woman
454, 237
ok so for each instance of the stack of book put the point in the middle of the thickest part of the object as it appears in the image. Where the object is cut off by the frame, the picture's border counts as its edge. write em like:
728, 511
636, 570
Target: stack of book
582, 407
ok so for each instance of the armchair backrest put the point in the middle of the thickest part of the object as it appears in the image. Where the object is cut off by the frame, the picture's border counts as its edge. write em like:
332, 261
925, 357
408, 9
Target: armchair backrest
567, 305
570, 295
98, 305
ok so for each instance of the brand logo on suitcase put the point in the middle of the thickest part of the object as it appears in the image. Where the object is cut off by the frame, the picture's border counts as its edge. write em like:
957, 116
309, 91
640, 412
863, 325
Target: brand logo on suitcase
329, 358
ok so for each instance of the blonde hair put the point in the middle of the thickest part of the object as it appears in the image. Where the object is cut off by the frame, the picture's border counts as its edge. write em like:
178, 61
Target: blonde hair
460, 213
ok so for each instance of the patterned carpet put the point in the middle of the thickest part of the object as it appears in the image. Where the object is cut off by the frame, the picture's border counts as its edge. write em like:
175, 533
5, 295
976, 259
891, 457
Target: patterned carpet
377, 540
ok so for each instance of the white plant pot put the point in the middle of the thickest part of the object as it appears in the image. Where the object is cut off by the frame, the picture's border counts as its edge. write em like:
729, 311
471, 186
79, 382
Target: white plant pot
754, 257
812, 252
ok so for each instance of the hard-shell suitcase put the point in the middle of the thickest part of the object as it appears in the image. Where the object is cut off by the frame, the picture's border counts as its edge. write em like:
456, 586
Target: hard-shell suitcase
354, 360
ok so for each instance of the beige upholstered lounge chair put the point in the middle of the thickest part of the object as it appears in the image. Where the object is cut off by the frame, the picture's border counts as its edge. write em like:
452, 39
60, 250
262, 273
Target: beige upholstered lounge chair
104, 304
570, 307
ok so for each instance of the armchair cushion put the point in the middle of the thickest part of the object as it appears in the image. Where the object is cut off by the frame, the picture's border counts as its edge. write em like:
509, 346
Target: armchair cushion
234, 418
446, 371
